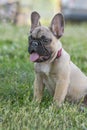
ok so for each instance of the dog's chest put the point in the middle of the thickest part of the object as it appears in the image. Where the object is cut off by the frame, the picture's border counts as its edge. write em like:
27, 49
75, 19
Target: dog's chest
49, 76
43, 68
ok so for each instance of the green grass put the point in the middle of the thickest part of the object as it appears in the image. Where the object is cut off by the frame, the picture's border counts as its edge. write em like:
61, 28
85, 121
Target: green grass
17, 110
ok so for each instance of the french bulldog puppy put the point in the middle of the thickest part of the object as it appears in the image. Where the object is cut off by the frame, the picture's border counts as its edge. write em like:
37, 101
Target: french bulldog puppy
53, 67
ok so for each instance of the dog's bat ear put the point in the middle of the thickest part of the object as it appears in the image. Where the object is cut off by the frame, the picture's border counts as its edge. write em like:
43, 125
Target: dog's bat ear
57, 25
34, 20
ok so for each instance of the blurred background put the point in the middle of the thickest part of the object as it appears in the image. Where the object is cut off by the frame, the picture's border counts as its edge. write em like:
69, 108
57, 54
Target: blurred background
18, 11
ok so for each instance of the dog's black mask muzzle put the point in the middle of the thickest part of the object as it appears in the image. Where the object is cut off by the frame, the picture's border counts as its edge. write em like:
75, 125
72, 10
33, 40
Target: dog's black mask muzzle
38, 45
33, 47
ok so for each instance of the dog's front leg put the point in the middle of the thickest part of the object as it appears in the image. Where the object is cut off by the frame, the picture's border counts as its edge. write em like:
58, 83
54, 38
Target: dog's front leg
38, 87
61, 87
60, 92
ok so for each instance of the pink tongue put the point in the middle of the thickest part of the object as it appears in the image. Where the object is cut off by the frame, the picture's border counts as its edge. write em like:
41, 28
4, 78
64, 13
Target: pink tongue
34, 57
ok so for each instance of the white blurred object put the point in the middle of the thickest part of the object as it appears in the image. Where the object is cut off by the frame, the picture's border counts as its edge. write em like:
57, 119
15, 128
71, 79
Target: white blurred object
3, 1
74, 9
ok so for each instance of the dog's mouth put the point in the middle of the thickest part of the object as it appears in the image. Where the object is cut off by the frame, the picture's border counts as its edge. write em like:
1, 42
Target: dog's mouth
35, 57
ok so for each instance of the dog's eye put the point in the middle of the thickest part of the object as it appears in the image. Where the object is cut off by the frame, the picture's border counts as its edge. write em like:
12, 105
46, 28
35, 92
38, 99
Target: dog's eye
30, 38
44, 39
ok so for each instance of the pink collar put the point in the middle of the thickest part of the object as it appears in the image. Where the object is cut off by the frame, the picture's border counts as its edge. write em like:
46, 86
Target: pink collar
59, 53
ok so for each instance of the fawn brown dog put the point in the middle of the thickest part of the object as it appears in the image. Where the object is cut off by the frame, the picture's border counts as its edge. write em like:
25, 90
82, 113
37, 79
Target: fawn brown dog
53, 67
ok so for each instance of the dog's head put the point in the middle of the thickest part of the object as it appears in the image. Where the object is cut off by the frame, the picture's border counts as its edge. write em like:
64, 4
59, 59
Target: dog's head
43, 41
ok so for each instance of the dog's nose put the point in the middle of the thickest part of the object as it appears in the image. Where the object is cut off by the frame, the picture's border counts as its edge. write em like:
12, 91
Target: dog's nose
33, 47
34, 44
